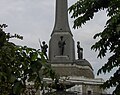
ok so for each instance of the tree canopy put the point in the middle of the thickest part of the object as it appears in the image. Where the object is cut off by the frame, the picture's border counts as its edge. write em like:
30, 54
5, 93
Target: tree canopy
109, 38
20, 65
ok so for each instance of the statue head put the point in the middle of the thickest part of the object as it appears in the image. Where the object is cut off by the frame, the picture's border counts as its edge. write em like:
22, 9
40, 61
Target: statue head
43, 42
61, 37
78, 42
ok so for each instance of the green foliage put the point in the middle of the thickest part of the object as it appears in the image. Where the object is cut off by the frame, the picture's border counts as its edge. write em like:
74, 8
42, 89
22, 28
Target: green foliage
19, 65
84, 10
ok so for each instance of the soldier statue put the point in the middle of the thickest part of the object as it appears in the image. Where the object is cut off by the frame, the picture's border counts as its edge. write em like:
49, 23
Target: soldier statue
79, 51
44, 47
61, 45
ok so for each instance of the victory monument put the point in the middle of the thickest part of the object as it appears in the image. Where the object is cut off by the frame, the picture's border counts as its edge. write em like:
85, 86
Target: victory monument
62, 48
62, 57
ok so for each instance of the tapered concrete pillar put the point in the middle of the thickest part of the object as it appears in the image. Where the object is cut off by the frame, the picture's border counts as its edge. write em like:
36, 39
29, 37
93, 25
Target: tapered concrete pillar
61, 17
61, 45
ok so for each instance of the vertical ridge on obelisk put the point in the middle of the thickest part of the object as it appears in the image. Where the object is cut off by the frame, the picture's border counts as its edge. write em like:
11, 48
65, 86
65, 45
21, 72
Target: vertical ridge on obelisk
61, 17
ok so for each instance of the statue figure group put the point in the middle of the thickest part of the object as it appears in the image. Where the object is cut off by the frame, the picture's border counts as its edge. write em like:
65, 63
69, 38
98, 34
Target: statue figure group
61, 45
79, 51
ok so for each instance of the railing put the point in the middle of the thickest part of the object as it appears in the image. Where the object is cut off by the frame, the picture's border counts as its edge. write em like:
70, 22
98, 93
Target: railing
74, 93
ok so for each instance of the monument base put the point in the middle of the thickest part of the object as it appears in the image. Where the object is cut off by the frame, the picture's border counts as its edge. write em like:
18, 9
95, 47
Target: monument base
72, 70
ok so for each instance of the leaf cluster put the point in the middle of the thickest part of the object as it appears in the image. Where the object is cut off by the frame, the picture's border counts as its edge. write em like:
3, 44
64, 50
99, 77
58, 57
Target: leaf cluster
83, 10
109, 39
20, 65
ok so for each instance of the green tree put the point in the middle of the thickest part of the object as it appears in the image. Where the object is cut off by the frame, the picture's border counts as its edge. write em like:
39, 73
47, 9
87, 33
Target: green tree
19, 65
109, 38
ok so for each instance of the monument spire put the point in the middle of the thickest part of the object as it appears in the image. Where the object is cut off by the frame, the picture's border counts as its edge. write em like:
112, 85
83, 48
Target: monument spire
61, 45
61, 17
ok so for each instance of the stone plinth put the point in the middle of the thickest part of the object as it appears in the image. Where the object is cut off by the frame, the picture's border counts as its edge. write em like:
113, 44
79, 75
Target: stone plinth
78, 68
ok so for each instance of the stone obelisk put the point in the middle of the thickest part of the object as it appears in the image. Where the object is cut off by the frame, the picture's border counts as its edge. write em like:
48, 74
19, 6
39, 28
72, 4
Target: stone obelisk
61, 17
61, 45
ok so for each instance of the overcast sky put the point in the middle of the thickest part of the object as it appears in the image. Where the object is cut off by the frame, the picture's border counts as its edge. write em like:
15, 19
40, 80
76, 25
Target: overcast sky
34, 19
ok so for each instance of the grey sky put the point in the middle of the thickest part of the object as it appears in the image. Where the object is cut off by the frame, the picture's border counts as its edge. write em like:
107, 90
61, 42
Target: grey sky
34, 19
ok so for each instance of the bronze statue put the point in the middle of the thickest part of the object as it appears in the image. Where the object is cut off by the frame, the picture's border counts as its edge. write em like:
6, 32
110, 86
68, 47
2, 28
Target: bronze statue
61, 45
44, 48
79, 51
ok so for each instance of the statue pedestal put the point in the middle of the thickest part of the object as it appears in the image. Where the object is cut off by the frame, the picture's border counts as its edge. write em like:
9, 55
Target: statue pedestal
62, 58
